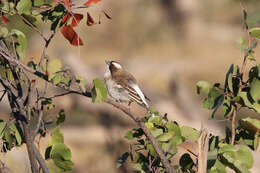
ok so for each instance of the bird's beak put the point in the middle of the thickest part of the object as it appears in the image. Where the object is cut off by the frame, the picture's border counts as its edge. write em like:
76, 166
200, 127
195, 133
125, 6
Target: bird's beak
107, 62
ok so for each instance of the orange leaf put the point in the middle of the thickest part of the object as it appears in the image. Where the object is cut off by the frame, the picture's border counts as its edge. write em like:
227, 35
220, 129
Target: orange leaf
90, 20
4, 20
65, 18
91, 2
69, 33
76, 19
67, 4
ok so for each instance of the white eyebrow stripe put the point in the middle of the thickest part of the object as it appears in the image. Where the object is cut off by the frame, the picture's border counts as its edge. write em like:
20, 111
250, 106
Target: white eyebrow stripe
140, 93
117, 65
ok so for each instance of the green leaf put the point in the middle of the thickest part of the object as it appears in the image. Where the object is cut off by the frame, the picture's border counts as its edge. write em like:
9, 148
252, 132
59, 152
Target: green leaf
186, 162
156, 132
245, 156
173, 128
99, 91
213, 154
47, 152
256, 140
211, 100
190, 133
17, 134
247, 101
253, 19
172, 145
122, 160
24, 6
61, 156
151, 149
66, 81
38, 2
54, 66
241, 43
22, 42
255, 32
165, 137
9, 139
56, 78
230, 83
6, 6
129, 135
218, 104
252, 123
82, 82
218, 167
2, 128
157, 120
223, 147
30, 18
57, 137
203, 86
228, 108
3, 31
61, 117
236, 164
250, 49
255, 89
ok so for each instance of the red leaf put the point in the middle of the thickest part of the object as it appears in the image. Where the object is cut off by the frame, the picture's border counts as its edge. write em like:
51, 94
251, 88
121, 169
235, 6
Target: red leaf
91, 2
69, 33
65, 18
109, 17
90, 20
76, 19
67, 4
4, 20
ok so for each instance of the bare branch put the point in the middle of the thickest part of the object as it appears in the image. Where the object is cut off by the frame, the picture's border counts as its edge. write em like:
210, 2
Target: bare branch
32, 26
146, 131
108, 101
203, 144
40, 159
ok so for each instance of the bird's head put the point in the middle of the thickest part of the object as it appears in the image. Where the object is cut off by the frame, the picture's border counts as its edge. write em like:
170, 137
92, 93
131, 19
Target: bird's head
113, 66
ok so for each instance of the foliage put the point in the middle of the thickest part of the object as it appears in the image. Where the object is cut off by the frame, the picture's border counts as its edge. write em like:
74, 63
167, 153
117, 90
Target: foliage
26, 118
27, 111
233, 151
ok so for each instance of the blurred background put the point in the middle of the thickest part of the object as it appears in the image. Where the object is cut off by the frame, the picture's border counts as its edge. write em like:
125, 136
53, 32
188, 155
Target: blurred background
168, 45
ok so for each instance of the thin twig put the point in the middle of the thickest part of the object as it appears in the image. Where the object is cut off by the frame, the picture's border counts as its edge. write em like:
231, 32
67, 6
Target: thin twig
108, 101
243, 67
2, 95
146, 131
33, 27
233, 126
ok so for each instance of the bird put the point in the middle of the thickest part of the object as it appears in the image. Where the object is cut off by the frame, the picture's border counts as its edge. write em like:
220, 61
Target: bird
122, 85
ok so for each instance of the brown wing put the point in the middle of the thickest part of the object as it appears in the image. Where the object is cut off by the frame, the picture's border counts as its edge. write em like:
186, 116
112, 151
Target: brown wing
124, 78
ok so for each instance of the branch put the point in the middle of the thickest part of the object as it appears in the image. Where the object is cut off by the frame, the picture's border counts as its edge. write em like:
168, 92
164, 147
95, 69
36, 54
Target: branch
32, 26
147, 132
3, 168
233, 126
108, 101
29, 146
203, 144
40, 160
